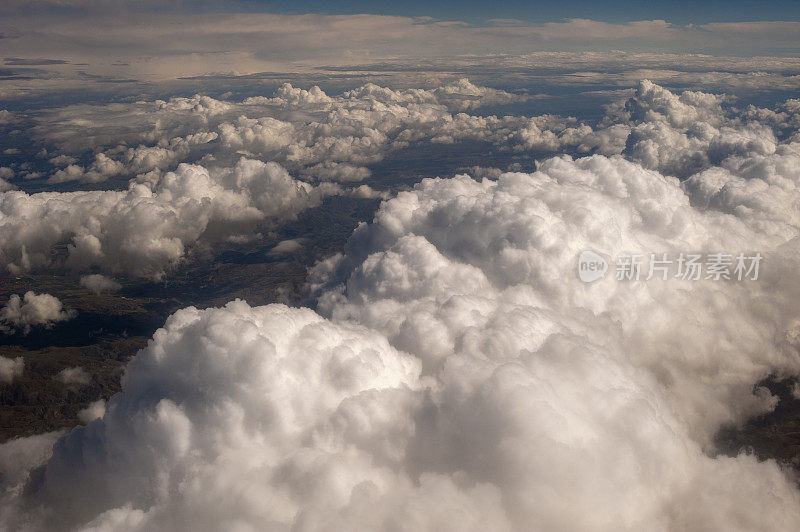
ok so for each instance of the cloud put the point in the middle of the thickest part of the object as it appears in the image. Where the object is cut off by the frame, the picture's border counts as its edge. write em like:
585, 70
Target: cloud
252, 444
19, 61
458, 363
337, 138
11, 368
146, 229
463, 376
95, 410
676, 134
101, 169
321, 137
74, 377
32, 310
477, 280
114, 45
99, 283
287, 246
20, 455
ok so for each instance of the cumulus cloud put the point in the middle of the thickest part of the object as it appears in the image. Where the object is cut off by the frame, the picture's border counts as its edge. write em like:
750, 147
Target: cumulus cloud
321, 137
464, 377
147, 228
337, 138
74, 377
101, 169
243, 423
95, 410
99, 283
32, 310
11, 368
676, 134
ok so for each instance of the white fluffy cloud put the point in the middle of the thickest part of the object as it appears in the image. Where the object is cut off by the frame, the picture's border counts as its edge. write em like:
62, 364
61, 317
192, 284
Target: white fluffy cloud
456, 373
32, 310
95, 410
321, 137
144, 230
336, 138
101, 169
10, 369
239, 429
462, 377
676, 134
5, 174
99, 283
74, 377
20, 455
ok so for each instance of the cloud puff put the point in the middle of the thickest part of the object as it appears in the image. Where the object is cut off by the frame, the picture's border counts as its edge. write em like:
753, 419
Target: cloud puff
542, 372
11, 368
99, 283
526, 230
32, 310
73, 377
101, 169
144, 230
95, 410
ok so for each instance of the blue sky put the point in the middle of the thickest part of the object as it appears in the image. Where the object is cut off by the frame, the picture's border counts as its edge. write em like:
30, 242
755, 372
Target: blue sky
676, 11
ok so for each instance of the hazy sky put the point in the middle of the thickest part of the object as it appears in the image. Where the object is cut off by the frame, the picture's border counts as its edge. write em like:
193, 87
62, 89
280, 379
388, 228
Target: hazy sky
677, 11
52, 41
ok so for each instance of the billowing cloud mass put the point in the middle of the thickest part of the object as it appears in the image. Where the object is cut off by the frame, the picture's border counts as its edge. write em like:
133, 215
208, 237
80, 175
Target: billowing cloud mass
455, 373
318, 136
10, 369
20, 455
145, 229
32, 310
463, 377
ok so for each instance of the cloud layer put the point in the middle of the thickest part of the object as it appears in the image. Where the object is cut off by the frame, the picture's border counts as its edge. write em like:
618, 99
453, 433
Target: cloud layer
68, 44
461, 365
455, 373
